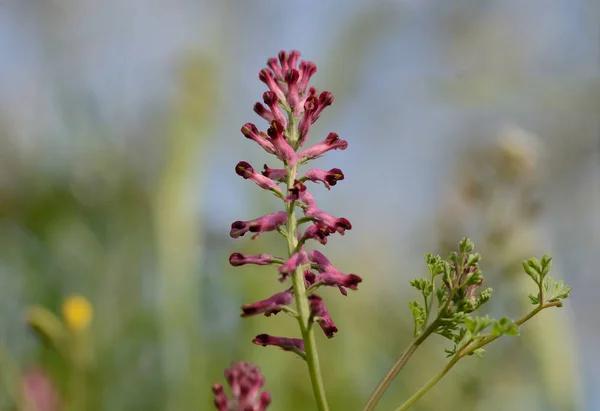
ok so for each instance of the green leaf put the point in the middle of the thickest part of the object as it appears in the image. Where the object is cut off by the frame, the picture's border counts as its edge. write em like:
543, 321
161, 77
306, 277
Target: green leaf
475, 325
474, 278
505, 326
555, 290
484, 297
535, 276
454, 258
450, 353
473, 259
441, 294
466, 246
534, 299
418, 313
546, 265
535, 264
478, 352
423, 285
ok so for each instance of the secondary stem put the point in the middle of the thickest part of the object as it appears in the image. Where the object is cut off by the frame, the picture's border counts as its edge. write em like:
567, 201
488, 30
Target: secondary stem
423, 390
466, 350
310, 346
398, 365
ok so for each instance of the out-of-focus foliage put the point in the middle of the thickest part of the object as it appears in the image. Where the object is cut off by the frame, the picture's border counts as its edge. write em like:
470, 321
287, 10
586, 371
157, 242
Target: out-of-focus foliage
117, 149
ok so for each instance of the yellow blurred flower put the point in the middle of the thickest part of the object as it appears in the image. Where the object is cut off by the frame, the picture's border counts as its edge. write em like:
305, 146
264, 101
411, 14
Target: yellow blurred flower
78, 312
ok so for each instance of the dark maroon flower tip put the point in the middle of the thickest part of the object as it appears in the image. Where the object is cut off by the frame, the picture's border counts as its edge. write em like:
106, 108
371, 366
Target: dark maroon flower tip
259, 225
318, 309
287, 344
238, 229
239, 259
309, 276
271, 305
328, 178
293, 98
292, 76
246, 171
270, 98
245, 382
275, 174
296, 191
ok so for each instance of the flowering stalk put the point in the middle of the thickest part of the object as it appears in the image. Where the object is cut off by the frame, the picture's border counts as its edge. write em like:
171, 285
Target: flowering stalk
291, 107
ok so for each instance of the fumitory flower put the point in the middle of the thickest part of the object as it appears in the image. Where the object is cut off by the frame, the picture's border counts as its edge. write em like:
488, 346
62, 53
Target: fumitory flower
290, 107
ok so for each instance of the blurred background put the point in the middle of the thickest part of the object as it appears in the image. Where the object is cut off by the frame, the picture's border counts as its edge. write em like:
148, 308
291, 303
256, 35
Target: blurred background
119, 133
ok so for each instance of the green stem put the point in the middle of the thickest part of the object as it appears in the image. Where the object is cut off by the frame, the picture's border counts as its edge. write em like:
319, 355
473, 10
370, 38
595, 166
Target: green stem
300, 295
423, 390
466, 350
398, 365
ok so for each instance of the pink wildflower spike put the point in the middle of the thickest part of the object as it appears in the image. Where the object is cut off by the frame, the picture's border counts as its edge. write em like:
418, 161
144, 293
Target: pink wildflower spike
283, 150
250, 131
289, 93
291, 79
287, 344
332, 142
339, 225
266, 76
245, 382
271, 305
328, 178
275, 174
295, 261
259, 225
318, 309
270, 100
239, 259
246, 171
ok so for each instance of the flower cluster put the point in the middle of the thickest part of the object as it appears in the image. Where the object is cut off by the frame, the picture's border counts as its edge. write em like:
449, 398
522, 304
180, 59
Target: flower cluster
290, 108
245, 382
